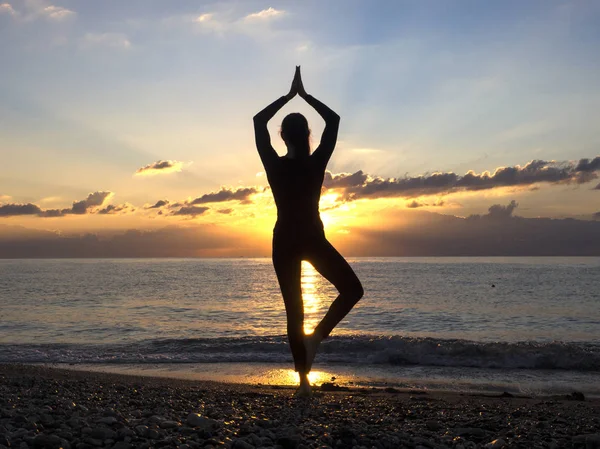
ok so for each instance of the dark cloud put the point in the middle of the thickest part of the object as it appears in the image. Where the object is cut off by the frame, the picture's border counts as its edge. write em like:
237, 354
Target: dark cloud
585, 165
414, 204
10, 210
359, 185
51, 213
344, 180
119, 209
499, 211
225, 194
429, 234
225, 211
159, 204
160, 167
191, 210
94, 199
92, 204
193, 241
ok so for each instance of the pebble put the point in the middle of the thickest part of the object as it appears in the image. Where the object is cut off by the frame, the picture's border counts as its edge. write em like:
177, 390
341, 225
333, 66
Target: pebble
108, 420
103, 433
241, 444
195, 420
169, 424
496, 444
87, 412
433, 425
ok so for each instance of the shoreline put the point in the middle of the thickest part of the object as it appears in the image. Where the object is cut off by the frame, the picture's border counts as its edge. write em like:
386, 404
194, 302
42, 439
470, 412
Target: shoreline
49, 407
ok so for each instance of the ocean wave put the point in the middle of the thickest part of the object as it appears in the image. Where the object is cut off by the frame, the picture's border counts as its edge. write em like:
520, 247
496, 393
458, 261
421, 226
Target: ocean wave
351, 350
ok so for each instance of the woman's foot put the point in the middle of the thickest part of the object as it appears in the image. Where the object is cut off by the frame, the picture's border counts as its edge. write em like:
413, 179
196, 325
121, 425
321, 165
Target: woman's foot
311, 343
304, 390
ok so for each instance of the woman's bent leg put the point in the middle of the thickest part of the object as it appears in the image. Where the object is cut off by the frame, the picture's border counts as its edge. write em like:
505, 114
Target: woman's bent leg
288, 270
332, 265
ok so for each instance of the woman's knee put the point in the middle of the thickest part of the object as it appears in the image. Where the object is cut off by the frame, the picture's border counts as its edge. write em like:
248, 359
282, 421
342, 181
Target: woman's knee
354, 291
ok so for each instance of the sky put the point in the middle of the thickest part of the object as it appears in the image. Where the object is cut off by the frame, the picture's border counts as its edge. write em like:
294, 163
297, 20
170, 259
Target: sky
120, 119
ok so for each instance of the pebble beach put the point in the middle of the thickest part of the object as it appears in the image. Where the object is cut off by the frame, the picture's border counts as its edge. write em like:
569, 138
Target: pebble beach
43, 407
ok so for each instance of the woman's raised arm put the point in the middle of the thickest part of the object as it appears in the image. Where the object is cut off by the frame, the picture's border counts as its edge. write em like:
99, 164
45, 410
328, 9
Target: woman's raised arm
267, 153
332, 124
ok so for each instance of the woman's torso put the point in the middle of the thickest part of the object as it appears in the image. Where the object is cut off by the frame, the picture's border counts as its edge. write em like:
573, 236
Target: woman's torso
296, 186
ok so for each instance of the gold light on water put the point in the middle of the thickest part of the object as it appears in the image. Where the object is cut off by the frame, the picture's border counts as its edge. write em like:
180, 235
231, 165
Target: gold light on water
309, 296
290, 377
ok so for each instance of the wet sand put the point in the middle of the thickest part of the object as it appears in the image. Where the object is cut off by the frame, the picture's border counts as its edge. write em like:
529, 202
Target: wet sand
42, 407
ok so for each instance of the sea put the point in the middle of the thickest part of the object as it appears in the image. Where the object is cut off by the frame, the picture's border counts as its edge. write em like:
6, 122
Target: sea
526, 325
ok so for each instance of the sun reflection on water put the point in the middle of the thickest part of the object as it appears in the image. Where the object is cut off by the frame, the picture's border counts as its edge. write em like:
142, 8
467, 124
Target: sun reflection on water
310, 279
290, 377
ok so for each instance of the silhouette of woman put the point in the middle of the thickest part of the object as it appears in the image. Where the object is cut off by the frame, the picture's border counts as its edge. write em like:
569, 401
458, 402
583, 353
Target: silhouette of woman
296, 181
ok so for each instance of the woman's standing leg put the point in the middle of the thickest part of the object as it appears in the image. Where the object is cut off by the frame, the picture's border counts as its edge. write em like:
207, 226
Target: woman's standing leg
288, 266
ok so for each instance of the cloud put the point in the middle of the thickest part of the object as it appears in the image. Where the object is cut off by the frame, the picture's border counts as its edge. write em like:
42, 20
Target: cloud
344, 180
57, 12
94, 199
10, 210
203, 18
112, 40
190, 210
225, 194
415, 204
159, 167
359, 185
193, 241
5, 197
6, 8
225, 211
499, 211
596, 215
251, 24
158, 204
119, 209
430, 234
92, 204
265, 14
597, 187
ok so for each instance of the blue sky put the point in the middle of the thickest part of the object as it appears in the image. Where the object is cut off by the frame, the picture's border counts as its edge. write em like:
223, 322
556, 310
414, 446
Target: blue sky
90, 91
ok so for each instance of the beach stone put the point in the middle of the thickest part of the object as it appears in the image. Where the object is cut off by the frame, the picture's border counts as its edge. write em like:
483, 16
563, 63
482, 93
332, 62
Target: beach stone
470, 431
155, 419
169, 424
47, 441
433, 425
121, 445
288, 442
496, 444
423, 442
195, 420
103, 433
125, 432
141, 430
241, 444
153, 434
592, 442
108, 420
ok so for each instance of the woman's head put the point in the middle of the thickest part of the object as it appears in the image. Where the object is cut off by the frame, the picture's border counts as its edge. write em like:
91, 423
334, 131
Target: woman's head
296, 134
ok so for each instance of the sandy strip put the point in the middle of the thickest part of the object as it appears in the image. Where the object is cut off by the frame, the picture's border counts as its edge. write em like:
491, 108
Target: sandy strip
44, 407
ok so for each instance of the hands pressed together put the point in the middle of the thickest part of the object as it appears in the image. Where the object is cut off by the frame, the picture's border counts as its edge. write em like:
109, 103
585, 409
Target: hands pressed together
297, 86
